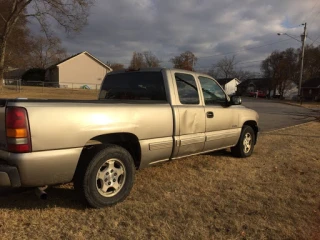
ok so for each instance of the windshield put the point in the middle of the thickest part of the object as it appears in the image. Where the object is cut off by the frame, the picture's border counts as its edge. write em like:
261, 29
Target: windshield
134, 86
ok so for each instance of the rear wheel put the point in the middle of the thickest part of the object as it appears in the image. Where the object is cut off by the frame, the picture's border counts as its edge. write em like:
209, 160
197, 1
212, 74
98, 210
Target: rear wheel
108, 178
245, 145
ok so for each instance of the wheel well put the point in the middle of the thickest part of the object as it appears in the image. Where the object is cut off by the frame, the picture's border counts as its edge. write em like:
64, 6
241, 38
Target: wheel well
128, 141
255, 128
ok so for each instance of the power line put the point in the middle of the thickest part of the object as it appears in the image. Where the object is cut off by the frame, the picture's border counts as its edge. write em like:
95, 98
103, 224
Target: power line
238, 51
312, 40
223, 54
316, 3
241, 62
315, 40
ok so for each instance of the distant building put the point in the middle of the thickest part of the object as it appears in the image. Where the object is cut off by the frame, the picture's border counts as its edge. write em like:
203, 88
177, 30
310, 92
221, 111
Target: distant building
229, 84
14, 73
291, 92
263, 85
310, 89
253, 85
77, 71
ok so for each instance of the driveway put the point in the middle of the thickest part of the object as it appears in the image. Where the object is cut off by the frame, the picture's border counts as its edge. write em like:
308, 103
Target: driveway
275, 115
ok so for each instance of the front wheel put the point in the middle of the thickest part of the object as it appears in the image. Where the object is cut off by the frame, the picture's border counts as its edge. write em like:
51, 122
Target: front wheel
245, 145
108, 178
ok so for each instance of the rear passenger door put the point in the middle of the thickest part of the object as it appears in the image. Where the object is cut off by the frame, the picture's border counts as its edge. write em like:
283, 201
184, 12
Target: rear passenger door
189, 115
221, 120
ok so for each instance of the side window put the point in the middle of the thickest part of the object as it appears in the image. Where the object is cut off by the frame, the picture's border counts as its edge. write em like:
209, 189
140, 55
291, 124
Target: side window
187, 88
212, 92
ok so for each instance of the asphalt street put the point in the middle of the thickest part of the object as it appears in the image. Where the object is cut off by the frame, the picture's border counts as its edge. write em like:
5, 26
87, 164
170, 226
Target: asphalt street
275, 115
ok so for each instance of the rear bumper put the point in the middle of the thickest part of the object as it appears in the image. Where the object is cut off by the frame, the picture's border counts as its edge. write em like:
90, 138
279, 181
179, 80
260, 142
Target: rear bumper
38, 169
9, 176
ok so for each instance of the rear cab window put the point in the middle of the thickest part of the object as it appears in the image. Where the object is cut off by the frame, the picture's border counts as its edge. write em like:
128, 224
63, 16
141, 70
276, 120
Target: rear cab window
134, 86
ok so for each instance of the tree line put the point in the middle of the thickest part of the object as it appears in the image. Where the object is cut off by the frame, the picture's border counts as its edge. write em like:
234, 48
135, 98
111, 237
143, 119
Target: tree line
21, 49
282, 68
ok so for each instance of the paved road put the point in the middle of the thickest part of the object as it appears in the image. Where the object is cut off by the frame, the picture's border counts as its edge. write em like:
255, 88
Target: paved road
275, 115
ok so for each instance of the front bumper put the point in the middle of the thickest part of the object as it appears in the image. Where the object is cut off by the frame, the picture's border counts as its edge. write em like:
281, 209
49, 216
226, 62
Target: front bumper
9, 176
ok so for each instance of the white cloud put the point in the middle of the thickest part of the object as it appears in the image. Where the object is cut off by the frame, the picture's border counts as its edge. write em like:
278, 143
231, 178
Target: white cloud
207, 27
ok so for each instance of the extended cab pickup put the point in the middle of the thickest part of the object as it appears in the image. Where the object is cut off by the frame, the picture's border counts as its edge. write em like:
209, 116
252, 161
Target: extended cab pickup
141, 118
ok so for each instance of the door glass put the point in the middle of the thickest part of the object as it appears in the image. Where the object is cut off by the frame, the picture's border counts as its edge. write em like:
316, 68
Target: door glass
187, 88
212, 92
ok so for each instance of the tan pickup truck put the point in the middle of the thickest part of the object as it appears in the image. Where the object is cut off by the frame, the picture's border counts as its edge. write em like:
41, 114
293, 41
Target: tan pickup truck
141, 118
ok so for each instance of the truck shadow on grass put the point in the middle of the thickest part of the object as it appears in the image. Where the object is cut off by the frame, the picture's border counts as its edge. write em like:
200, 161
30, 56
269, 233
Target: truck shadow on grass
63, 196
26, 199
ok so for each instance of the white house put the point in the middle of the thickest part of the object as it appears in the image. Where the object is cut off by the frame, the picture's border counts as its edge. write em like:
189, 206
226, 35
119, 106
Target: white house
77, 71
229, 84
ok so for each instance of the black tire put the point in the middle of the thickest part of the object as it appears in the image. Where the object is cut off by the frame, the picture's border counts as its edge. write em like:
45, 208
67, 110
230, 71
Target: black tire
241, 149
89, 184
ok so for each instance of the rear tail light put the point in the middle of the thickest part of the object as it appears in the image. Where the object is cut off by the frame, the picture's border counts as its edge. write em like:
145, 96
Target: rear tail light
17, 130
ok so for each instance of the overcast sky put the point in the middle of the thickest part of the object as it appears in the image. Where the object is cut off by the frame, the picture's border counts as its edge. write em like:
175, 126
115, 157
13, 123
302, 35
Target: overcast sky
209, 28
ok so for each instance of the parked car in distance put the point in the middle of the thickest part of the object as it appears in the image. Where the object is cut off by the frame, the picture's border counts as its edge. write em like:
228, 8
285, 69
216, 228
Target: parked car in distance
261, 94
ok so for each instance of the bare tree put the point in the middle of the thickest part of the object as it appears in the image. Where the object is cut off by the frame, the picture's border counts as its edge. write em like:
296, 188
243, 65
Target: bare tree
242, 75
70, 14
144, 60
115, 66
311, 62
18, 43
225, 67
46, 52
137, 61
213, 73
150, 59
186, 60
280, 68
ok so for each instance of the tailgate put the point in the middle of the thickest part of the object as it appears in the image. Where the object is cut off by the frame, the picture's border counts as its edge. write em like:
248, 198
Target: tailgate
3, 103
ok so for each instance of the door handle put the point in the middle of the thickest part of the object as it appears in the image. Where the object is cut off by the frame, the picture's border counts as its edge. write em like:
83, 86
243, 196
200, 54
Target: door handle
210, 115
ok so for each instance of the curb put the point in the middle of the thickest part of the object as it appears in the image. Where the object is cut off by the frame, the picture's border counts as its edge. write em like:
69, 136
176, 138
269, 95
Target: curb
280, 129
296, 104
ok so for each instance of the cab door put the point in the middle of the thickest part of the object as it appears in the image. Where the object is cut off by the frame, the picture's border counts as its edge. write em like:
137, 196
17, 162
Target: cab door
221, 129
189, 115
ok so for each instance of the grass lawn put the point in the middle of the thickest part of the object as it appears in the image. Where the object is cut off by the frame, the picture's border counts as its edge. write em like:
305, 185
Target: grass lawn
274, 194
48, 93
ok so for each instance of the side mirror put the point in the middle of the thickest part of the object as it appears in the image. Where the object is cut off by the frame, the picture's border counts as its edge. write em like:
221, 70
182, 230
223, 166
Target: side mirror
236, 100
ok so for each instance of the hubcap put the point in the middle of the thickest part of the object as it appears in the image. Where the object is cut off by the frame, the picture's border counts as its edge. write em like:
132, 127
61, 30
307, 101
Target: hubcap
247, 142
111, 177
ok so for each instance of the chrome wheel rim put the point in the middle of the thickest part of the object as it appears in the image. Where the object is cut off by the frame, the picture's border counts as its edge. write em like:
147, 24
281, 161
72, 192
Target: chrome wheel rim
110, 177
247, 143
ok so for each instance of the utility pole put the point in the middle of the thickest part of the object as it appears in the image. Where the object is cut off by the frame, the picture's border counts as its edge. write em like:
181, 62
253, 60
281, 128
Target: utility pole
303, 39
192, 63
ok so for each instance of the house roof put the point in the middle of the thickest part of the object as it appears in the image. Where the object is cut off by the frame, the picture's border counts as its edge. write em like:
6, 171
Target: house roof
73, 56
258, 82
224, 81
311, 83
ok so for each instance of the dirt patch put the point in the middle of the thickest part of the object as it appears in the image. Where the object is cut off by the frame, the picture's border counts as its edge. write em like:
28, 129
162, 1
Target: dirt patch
272, 195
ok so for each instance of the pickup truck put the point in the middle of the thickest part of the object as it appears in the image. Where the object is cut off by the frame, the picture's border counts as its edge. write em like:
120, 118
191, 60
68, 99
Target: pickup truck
141, 118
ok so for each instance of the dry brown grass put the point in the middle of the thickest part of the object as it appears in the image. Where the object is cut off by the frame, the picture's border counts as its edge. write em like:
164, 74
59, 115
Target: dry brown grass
272, 195
48, 93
